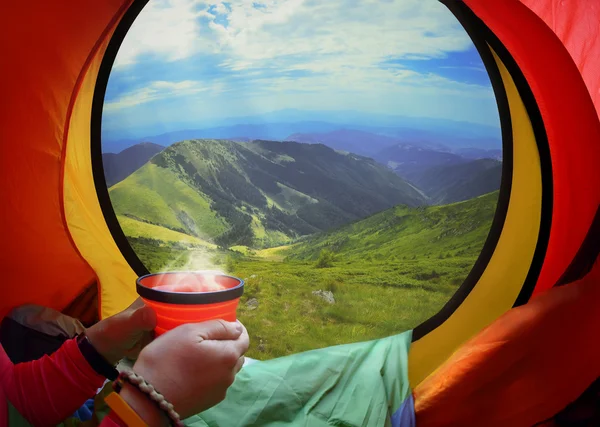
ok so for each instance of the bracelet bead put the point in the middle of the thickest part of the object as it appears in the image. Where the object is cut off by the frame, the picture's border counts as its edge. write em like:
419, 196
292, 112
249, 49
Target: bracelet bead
137, 381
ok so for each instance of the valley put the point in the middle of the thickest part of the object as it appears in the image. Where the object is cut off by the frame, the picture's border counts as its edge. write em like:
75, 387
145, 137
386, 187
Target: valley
334, 246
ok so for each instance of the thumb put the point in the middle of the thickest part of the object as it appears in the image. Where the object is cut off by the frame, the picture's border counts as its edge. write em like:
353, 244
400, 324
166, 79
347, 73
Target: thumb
219, 330
143, 319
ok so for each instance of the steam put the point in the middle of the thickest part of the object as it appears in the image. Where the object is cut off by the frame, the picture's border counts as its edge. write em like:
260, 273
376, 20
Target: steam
198, 262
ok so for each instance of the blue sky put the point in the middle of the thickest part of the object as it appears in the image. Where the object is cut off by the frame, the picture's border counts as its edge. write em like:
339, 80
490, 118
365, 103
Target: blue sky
191, 64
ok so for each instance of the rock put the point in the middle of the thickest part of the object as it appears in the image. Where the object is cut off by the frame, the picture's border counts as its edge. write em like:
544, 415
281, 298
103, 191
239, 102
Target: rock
252, 304
326, 295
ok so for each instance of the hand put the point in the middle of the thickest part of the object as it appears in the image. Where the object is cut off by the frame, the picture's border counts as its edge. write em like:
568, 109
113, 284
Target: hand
193, 365
124, 334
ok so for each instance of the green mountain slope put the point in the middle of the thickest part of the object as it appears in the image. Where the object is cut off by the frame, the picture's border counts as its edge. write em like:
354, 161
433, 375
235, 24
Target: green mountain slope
402, 232
119, 166
455, 183
157, 196
261, 193
134, 229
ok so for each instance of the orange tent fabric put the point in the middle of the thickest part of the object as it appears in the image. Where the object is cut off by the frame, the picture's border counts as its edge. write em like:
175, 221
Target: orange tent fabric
45, 46
524, 368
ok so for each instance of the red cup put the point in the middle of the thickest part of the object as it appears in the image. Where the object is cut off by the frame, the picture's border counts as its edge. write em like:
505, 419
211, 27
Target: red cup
180, 297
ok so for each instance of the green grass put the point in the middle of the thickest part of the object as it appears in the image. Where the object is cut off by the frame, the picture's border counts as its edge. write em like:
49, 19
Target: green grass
373, 300
161, 256
388, 273
157, 195
135, 229
403, 233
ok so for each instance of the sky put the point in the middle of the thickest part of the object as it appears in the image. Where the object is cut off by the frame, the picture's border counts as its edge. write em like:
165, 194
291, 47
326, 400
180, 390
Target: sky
191, 64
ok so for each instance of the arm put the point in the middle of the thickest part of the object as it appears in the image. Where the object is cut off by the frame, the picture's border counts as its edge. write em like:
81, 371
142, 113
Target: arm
49, 390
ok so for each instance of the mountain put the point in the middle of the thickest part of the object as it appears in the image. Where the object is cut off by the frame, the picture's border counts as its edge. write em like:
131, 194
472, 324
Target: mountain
358, 141
350, 140
265, 131
278, 125
479, 153
409, 159
457, 182
257, 193
363, 120
119, 166
402, 232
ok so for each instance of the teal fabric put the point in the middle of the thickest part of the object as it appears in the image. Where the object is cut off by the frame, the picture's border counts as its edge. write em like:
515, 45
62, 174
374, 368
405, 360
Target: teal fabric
354, 385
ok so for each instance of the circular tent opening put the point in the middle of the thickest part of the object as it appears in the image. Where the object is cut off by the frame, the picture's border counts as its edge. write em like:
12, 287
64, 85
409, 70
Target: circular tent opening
350, 173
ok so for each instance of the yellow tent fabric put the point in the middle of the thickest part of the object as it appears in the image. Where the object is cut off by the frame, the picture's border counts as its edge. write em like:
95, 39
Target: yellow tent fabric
512, 256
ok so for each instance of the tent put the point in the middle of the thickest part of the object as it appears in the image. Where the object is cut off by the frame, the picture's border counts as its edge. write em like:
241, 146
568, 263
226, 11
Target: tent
61, 239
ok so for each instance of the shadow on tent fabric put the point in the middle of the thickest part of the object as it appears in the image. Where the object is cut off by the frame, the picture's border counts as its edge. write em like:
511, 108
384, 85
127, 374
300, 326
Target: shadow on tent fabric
584, 412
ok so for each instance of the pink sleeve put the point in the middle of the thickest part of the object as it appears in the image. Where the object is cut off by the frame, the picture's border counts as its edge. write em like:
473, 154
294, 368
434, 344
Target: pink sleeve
51, 389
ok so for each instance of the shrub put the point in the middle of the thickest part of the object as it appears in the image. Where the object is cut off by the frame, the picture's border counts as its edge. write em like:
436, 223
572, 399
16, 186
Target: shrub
326, 259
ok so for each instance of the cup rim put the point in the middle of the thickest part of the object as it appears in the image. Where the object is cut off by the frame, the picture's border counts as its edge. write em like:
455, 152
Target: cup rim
189, 298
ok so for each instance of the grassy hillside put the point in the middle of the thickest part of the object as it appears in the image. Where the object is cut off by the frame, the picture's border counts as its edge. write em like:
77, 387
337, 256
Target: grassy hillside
138, 229
257, 194
157, 195
387, 274
405, 233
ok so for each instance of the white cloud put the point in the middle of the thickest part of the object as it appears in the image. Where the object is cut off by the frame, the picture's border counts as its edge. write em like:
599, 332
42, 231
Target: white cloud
358, 31
168, 29
154, 91
362, 31
301, 53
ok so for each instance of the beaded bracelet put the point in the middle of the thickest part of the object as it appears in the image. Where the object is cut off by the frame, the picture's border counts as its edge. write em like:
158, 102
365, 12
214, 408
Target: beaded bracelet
137, 381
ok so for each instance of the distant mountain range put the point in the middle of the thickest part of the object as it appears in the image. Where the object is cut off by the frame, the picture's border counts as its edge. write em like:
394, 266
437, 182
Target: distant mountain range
118, 166
407, 159
258, 193
283, 124
478, 153
360, 142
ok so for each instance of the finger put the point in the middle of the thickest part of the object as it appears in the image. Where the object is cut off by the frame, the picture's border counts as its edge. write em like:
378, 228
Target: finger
233, 349
239, 365
243, 342
218, 330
